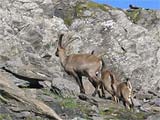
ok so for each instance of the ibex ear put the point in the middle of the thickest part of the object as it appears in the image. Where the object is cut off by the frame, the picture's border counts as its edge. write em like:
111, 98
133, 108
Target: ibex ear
128, 83
92, 52
60, 40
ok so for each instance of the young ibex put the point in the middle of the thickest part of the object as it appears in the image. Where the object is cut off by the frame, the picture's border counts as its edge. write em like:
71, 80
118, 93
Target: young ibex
106, 83
79, 65
125, 93
118, 90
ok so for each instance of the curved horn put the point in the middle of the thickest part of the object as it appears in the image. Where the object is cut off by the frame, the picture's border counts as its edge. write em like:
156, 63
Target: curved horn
70, 40
60, 40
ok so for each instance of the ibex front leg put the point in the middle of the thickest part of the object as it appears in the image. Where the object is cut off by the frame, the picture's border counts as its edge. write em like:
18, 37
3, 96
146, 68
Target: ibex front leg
79, 82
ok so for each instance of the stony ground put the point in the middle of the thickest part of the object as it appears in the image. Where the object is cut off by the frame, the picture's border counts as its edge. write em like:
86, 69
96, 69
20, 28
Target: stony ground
34, 86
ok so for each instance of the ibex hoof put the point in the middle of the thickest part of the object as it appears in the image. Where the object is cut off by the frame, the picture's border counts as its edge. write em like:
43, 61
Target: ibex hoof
94, 94
82, 92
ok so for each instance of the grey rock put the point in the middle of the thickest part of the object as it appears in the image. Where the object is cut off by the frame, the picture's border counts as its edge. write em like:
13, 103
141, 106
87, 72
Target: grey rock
78, 118
137, 103
154, 117
29, 31
87, 13
97, 118
23, 114
19, 101
156, 101
64, 87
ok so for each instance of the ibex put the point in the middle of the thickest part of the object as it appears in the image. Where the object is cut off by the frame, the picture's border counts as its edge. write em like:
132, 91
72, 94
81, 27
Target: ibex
118, 90
106, 83
125, 93
79, 65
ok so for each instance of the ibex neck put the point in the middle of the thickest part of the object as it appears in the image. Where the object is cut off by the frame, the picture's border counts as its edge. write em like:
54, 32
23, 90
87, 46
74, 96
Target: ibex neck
63, 57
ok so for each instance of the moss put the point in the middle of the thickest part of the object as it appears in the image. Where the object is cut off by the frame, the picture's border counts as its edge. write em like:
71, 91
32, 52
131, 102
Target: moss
80, 7
69, 102
121, 114
3, 100
78, 10
134, 15
31, 118
95, 5
48, 46
51, 94
69, 16
68, 21
5, 117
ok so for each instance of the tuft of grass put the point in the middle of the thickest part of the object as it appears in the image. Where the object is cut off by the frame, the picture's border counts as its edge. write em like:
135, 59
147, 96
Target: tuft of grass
69, 102
51, 94
5, 117
3, 100
134, 15
78, 10
69, 16
95, 5
121, 114
68, 20
80, 7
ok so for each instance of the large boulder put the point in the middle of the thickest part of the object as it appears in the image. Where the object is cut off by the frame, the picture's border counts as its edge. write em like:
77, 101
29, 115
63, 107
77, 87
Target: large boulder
17, 101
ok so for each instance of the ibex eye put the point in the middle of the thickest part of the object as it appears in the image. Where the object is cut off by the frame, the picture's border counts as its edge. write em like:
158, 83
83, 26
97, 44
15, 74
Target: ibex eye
97, 73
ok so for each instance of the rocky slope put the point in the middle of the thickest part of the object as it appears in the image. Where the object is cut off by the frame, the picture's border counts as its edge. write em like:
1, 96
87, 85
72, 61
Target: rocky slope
29, 29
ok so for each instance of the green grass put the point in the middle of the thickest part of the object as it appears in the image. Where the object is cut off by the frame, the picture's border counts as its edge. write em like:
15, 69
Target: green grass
89, 5
68, 20
3, 100
134, 15
95, 5
51, 94
121, 114
69, 102
78, 10
5, 117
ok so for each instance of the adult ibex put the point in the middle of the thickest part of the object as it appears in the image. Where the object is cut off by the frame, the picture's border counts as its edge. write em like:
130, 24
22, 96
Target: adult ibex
79, 65
119, 90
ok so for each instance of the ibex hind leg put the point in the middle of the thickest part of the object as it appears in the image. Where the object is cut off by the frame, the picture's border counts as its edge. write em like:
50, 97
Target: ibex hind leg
101, 90
95, 82
127, 104
131, 104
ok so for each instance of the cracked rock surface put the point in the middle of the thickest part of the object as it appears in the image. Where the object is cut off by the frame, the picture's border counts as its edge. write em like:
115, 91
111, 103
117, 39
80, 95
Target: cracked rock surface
29, 30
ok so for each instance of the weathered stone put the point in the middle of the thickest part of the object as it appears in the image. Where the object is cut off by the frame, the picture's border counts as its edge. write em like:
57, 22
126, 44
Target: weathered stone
137, 103
23, 101
29, 31
154, 117
65, 87
156, 101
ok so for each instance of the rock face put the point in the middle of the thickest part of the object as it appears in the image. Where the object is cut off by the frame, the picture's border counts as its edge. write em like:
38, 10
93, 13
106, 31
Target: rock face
29, 31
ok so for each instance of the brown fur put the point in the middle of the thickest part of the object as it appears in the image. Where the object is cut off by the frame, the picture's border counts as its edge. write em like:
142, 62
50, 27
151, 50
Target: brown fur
79, 65
107, 80
124, 92
118, 90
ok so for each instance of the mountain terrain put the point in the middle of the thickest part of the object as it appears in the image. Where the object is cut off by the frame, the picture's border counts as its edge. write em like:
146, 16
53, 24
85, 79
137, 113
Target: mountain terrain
33, 84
